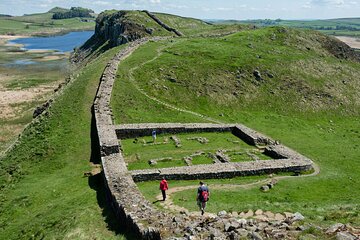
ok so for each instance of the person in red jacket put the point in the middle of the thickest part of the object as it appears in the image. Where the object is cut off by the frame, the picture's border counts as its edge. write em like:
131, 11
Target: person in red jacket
163, 187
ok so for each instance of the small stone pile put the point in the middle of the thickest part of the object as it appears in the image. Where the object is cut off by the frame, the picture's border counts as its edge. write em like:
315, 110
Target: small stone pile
343, 232
231, 226
188, 159
221, 156
201, 140
268, 186
176, 140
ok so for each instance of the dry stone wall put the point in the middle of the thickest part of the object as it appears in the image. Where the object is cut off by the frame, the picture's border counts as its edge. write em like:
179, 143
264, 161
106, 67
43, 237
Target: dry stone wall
133, 210
130, 206
162, 24
139, 130
286, 160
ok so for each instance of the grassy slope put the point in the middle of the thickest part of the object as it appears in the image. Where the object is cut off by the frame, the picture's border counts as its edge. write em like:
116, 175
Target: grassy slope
306, 105
25, 77
43, 191
37, 24
313, 24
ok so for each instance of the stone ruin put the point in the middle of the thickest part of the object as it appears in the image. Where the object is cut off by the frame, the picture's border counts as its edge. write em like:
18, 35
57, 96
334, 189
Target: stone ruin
284, 159
138, 215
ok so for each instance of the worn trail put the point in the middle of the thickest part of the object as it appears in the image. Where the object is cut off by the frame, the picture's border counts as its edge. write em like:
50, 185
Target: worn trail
168, 105
169, 204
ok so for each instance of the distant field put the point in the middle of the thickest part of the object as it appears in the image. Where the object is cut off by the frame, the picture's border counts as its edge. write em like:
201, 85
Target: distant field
27, 79
337, 27
42, 24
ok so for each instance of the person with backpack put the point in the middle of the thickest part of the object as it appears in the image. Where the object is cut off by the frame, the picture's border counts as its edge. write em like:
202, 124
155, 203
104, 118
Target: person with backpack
202, 197
163, 187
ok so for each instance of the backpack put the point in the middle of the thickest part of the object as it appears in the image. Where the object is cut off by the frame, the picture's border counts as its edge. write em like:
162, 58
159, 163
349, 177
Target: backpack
205, 196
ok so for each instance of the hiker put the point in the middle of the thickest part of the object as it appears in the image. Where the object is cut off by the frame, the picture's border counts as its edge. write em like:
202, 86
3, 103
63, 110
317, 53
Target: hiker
153, 134
163, 187
202, 197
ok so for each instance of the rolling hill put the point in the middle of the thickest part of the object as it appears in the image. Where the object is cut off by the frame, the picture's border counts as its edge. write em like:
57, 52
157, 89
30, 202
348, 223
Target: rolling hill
298, 86
43, 24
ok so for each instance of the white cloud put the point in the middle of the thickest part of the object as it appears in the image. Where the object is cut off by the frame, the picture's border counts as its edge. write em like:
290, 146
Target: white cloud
101, 3
223, 9
327, 2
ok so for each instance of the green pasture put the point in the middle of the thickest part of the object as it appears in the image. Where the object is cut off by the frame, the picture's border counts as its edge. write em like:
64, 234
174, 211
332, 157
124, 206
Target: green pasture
138, 152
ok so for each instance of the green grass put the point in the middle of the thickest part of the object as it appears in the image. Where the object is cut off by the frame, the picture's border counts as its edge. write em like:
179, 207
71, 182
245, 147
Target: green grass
139, 152
337, 27
34, 77
319, 198
43, 191
150, 189
42, 24
306, 105
215, 77
323, 199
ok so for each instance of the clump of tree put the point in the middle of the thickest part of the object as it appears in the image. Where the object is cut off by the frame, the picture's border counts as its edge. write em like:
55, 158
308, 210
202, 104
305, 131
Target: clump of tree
74, 12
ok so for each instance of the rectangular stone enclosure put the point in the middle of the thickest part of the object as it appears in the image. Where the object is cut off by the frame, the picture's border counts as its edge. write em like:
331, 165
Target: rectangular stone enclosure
283, 159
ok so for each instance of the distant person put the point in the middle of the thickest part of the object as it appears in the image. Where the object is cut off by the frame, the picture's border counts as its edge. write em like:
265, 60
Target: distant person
153, 134
202, 197
163, 187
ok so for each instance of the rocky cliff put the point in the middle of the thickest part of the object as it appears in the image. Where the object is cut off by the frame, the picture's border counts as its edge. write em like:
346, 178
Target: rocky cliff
117, 29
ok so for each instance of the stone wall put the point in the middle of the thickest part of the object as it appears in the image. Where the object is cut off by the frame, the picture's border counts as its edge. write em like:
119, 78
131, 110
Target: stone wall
222, 170
131, 208
140, 130
286, 160
162, 24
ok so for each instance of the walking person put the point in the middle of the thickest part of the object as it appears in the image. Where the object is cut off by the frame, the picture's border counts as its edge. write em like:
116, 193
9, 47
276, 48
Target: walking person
202, 197
163, 187
153, 134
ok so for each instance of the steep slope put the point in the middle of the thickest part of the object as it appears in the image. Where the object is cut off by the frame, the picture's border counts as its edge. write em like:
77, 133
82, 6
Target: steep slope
289, 84
43, 191
283, 82
114, 28
274, 68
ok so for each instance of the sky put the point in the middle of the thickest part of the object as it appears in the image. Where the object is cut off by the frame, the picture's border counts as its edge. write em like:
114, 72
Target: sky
203, 9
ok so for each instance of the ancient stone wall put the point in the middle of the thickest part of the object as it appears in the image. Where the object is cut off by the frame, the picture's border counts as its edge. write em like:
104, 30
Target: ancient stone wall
286, 160
129, 204
132, 209
139, 130
222, 170
156, 19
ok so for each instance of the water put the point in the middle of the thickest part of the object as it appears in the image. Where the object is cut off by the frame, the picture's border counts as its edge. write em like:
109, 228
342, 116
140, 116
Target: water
24, 62
63, 43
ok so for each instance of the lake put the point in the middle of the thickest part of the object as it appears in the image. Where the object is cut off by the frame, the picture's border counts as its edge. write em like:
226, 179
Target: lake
63, 43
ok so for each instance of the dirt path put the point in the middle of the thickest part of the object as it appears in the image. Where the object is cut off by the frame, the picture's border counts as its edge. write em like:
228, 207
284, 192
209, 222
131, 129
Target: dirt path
169, 204
168, 105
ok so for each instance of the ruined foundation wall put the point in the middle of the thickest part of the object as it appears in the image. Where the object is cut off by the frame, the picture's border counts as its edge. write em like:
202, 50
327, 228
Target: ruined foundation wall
131, 208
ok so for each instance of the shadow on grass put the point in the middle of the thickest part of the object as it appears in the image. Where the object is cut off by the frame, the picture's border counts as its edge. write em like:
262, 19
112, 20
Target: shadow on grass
96, 182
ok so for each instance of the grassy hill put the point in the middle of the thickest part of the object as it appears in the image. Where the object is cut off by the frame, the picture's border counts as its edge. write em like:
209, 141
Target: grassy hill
306, 98
43, 191
43, 24
289, 84
337, 27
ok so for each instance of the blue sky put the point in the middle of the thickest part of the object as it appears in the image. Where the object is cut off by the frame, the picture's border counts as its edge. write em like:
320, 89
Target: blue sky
204, 9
